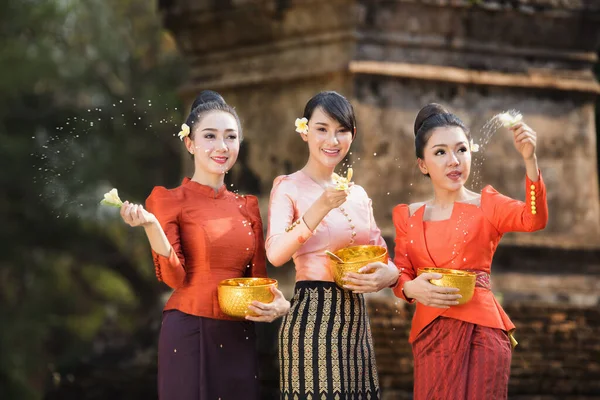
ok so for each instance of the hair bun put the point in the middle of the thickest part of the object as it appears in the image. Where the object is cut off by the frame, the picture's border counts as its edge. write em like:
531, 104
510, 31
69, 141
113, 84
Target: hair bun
206, 96
429, 110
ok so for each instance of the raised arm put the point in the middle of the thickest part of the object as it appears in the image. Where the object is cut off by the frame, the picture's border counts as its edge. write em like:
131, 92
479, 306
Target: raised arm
287, 230
508, 214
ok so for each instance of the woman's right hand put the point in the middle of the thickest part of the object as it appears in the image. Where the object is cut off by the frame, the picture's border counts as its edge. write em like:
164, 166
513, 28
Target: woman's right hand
332, 198
135, 215
429, 294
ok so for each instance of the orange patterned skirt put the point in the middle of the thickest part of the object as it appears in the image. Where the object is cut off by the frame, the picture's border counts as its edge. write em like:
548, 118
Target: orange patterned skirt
459, 360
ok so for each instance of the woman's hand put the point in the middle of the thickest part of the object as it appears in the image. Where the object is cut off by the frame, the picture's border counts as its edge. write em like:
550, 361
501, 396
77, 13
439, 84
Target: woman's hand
524, 139
371, 278
268, 312
333, 198
431, 295
135, 215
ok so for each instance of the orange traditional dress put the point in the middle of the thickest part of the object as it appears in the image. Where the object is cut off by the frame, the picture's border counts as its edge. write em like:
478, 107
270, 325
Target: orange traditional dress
463, 350
214, 235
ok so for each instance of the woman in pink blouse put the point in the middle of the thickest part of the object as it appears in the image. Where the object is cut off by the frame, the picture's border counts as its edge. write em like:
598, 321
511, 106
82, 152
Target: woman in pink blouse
325, 345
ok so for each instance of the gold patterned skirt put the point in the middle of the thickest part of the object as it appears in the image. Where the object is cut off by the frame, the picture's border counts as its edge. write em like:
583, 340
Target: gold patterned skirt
325, 345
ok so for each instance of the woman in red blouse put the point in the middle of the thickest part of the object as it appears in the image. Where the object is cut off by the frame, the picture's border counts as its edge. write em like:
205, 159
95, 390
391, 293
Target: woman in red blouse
200, 234
460, 351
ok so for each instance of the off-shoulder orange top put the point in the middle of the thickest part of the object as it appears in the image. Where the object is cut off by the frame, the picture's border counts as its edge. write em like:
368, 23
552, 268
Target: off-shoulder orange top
468, 240
214, 235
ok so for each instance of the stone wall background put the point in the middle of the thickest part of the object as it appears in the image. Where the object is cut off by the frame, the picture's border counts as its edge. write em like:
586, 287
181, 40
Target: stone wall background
390, 57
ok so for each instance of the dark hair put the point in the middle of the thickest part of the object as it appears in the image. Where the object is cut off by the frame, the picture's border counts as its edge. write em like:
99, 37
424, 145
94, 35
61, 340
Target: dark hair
208, 101
430, 117
336, 106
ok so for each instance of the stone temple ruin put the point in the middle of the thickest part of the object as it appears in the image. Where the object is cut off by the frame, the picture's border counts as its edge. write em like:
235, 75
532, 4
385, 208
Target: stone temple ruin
478, 57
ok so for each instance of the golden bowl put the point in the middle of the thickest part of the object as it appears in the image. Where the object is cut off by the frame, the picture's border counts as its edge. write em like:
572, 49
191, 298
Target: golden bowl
354, 258
454, 278
236, 294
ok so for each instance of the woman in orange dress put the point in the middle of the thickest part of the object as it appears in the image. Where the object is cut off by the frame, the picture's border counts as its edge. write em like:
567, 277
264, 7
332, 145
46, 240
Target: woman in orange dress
460, 351
200, 234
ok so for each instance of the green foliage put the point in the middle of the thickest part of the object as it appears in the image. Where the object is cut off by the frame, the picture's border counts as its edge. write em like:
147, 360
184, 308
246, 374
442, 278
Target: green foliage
70, 270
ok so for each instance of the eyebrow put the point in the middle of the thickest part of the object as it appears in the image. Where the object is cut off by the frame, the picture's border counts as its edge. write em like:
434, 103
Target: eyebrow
340, 126
216, 130
445, 145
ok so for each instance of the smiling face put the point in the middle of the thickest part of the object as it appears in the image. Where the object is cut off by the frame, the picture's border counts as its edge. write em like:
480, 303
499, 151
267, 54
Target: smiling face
328, 141
447, 158
215, 143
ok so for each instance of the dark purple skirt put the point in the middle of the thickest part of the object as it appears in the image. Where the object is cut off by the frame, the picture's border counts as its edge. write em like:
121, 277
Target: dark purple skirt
202, 358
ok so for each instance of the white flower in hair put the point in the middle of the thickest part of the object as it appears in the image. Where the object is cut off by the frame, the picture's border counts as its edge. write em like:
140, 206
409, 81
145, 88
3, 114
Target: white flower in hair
474, 147
112, 199
509, 120
301, 125
185, 131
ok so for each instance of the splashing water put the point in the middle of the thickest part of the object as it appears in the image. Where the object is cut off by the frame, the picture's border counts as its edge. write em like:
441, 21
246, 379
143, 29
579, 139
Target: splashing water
63, 157
485, 135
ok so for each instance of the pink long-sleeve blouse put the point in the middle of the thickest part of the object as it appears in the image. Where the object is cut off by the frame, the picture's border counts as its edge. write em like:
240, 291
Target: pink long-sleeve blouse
348, 225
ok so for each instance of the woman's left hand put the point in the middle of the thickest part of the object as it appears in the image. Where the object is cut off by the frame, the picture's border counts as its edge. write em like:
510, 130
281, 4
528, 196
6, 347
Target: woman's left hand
524, 139
268, 312
372, 278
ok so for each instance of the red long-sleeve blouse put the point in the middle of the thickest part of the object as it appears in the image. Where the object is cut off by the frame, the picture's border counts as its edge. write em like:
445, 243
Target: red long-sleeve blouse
468, 241
214, 235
